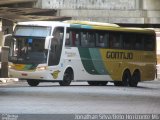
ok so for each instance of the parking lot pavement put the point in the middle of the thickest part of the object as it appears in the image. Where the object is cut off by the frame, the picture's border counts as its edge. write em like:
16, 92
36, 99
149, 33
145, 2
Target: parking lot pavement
50, 98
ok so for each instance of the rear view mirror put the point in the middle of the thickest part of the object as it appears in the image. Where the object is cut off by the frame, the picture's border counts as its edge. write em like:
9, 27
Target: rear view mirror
47, 42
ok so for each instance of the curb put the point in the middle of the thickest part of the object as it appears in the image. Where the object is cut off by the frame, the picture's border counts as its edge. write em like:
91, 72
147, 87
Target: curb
8, 80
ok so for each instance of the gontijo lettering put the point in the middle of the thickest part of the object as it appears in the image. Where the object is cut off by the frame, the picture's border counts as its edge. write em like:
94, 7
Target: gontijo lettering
119, 55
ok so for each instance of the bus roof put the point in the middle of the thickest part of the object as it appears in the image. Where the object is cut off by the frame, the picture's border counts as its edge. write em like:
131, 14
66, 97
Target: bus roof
88, 25
42, 23
91, 23
106, 26
140, 30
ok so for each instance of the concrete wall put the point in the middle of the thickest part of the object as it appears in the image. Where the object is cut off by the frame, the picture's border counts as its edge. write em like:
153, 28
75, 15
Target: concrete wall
90, 4
151, 4
113, 11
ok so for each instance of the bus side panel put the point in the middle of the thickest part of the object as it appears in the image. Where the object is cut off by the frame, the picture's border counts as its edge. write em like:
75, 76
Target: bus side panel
113, 63
87, 64
117, 61
149, 70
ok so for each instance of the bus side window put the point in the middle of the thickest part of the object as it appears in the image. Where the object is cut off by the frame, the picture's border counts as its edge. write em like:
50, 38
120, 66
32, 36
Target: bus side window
138, 44
148, 43
114, 40
67, 43
100, 40
84, 41
91, 39
127, 41
72, 37
106, 40
68, 39
126, 45
77, 39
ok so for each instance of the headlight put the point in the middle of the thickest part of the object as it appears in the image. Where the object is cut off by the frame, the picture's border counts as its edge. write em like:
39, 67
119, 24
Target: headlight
10, 66
41, 68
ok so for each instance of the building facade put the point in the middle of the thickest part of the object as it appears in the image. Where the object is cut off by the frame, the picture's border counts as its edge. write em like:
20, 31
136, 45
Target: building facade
112, 11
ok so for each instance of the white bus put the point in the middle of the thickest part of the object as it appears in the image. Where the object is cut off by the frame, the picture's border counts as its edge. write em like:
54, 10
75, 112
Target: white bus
81, 51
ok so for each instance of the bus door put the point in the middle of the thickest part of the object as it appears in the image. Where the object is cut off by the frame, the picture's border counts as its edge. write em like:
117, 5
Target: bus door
56, 46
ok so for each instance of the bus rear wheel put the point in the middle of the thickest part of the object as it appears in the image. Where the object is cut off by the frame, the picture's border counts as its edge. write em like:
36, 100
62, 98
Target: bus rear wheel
33, 82
67, 78
126, 78
135, 79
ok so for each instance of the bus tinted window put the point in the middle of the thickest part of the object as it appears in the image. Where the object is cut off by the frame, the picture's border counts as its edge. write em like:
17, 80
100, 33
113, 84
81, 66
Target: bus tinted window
138, 42
107, 39
84, 40
91, 39
68, 39
77, 39
72, 37
102, 39
149, 43
115, 40
127, 41
88, 39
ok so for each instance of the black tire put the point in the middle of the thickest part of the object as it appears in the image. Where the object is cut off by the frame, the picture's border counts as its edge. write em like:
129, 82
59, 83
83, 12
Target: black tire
92, 83
135, 79
33, 82
97, 83
102, 83
118, 83
126, 78
67, 78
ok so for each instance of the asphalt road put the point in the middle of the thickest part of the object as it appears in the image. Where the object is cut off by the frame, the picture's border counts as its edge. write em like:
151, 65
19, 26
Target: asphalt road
79, 98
